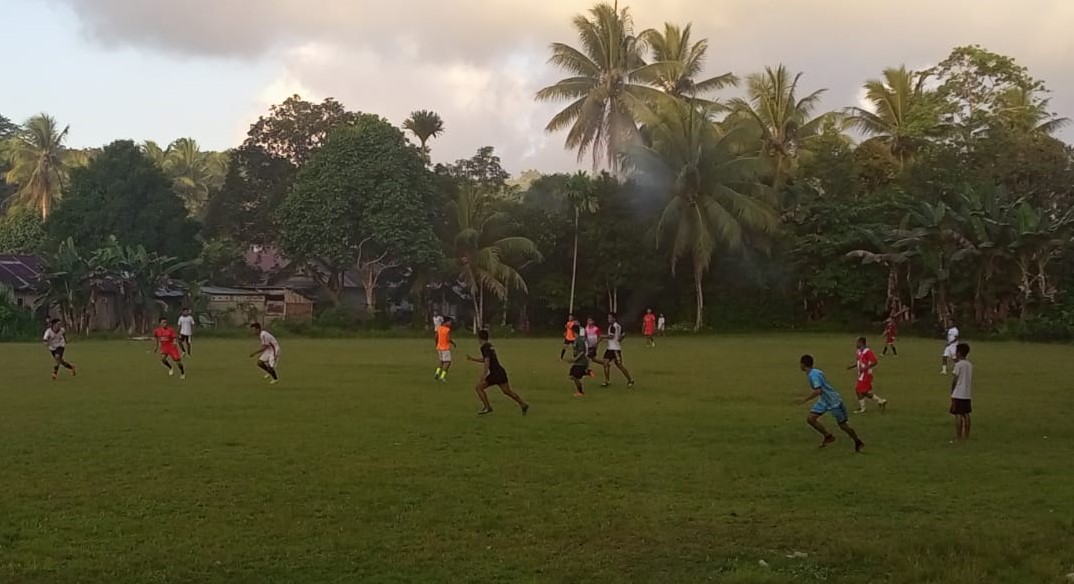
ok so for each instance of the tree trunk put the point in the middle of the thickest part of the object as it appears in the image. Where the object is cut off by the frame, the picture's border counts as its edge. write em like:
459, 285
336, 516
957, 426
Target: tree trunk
574, 264
698, 276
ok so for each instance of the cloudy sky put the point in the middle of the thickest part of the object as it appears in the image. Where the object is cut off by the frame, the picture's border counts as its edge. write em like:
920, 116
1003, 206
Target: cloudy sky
162, 69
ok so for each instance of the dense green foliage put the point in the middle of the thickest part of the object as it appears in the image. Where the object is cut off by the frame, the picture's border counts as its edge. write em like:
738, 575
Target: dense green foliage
21, 232
357, 469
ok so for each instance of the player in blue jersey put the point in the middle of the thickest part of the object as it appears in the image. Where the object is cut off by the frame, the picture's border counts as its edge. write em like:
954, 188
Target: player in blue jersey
830, 402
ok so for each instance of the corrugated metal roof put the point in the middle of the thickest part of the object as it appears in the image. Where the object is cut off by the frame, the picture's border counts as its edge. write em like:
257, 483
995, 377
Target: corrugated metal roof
20, 272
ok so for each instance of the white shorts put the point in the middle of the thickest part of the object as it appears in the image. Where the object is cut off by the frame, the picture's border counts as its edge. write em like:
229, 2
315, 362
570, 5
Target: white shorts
269, 358
949, 350
445, 356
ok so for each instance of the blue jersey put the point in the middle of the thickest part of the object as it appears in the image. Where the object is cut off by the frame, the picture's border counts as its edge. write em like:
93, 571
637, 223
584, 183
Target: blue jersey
829, 397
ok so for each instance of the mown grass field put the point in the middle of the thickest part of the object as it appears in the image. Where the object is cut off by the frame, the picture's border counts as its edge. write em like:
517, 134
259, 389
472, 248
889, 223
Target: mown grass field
360, 468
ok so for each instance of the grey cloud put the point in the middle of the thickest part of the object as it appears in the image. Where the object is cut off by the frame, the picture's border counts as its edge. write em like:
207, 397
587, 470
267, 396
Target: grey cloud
478, 62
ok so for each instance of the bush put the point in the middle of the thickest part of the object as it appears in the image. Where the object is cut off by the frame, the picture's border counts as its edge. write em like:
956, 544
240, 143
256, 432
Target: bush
16, 323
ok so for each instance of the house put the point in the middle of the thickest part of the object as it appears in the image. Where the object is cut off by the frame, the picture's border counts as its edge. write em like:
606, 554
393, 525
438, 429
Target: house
22, 275
278, 271
241, 305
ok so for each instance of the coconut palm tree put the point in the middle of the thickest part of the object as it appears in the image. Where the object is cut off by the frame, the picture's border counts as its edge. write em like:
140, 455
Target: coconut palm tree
192, 176
677, 62
424, 124
783, 122
1022, 109
904, 113
605, 89
714, 198
581, 199
487, 256
38, 163
155, 153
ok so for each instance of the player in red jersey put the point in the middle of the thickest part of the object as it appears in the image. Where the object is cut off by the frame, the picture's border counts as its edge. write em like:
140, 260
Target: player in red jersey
648, 327
165, 336
865, 363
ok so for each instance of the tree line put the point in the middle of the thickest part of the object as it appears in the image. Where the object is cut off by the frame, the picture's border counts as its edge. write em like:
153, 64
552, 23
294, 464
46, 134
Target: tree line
721, 200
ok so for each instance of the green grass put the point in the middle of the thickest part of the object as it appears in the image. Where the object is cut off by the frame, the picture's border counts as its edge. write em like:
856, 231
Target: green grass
359, 468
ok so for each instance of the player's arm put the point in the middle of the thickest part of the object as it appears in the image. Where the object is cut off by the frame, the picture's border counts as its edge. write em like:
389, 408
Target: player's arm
452, 341
816, 393
263, 348
156, 344
475, 359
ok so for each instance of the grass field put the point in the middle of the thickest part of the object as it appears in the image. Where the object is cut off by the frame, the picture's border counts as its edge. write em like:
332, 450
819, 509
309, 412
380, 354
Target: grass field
360, 468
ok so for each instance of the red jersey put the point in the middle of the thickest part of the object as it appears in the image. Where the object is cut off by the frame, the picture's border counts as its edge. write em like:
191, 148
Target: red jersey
166, 336
866, 361
891, 331
648, 324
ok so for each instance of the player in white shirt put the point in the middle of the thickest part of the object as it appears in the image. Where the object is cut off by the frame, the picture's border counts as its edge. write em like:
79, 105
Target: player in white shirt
269, 353
962, 392
661, 324
437, 321
186, 330
952, 343
614, 352
56, 340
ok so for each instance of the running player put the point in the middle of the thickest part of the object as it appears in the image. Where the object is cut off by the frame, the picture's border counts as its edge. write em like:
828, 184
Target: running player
949, 349
830, 402
268, 354
580, 362
962, 392
891, 332
443, 349
614, 353
186, 330
661, 324
165, 337
56, 340
648, 327
865, 362
569, 335
592, 341
494, 374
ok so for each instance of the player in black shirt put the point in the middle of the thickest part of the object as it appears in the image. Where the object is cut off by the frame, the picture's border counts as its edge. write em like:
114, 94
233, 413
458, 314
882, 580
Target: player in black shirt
494, 374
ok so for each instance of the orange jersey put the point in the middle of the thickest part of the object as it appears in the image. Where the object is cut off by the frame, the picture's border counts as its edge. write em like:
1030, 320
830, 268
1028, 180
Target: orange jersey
443, 338
569, 333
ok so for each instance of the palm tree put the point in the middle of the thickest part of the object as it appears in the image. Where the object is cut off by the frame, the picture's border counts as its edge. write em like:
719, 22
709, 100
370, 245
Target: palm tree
784, 122
676, 63
1023, 110
904, 112
424, 124
155, 153
487, 256
189, 168
581, 199
711, 189
39, 163
606, 90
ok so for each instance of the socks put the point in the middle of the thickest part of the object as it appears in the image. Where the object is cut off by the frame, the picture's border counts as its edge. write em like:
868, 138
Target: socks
861, 403
876, 398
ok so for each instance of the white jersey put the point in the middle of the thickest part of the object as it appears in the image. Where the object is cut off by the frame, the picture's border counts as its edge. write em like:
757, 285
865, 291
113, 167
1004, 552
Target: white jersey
437, 321
55, 339
615, 337
952, 335
963, 388
660, 323
269, 345
186, 326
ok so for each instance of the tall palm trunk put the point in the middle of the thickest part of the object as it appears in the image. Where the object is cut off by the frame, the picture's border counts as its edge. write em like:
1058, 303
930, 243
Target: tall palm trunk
574, 264
698, 277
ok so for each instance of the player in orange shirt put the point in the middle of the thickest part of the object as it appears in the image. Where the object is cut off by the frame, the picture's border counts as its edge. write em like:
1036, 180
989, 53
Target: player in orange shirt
648, 327
443, 349
165, 337
569, 334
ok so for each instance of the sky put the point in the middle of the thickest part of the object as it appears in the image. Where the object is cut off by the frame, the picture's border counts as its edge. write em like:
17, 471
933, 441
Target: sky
165, 69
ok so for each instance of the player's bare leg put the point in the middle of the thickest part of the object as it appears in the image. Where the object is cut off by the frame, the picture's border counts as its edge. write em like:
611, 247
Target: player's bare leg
268, 369
858, 444
506, 389
622, 368
579, 391
814, 421
482, 394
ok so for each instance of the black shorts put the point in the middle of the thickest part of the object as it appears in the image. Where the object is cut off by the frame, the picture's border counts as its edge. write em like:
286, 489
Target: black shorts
961, 407
591, 352
58, 352
496, 377
184, 338
613, 356
579, 372
568, 343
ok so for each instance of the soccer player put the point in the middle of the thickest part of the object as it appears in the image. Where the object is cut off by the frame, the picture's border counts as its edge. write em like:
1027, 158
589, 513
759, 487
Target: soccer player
56, 340
830, 402
443, 349
165, 337
648, 327
268, 354
891, 331
437, 320
614, 353
494, 374
661, 324
865, 362
962, 391
570, 333
186, 330
950, 348
580, 363
592, 340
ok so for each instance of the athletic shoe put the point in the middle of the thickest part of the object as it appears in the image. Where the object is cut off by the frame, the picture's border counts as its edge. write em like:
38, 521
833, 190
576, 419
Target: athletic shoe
171, 372
485, 412
827, 440
606, 384
182, 377
884, 405
274, 382
861, 411
525, 409
859, 446
630, 384
579, 394
266, 376
73, 372
55, 377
